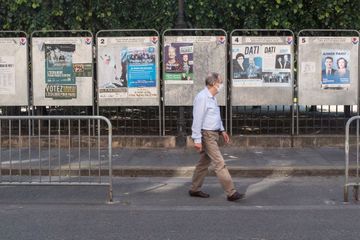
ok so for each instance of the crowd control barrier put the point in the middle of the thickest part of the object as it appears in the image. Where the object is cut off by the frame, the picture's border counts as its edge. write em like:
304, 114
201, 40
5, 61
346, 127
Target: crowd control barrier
56, 150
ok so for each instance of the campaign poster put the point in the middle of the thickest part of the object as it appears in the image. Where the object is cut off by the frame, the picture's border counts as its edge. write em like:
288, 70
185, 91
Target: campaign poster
260, 65
59, 71
58, 63
141, 71
7, 74
127, 67
335, 71
179, 63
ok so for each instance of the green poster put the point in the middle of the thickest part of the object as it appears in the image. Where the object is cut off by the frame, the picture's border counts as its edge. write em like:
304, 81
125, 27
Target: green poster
58, 63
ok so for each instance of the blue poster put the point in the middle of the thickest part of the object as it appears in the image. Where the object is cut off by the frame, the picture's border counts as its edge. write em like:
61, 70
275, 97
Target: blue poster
141, 67
335, 73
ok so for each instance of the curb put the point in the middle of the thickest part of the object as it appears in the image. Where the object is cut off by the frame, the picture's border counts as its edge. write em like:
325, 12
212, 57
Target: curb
138, 171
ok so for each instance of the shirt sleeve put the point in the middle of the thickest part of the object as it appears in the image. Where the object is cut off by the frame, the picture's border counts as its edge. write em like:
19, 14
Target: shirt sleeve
222, 129
198, 117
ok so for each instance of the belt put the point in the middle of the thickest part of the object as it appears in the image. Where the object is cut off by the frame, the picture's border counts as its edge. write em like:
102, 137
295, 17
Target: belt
217, 130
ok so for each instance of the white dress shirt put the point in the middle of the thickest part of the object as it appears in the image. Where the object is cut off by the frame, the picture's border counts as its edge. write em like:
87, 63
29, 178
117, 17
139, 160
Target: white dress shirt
206, 114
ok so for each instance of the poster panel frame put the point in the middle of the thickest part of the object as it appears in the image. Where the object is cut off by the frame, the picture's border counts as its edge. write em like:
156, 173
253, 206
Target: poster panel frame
63, 34
326, 33
237, 90
194, 32
261, 33
19, 34
132, 33
323, 33
118, 33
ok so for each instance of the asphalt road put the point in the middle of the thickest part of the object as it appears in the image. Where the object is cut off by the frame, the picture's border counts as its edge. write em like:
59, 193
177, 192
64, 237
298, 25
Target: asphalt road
159, 208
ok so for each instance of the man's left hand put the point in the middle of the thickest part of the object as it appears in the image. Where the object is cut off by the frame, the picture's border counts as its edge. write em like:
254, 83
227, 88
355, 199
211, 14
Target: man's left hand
226, 137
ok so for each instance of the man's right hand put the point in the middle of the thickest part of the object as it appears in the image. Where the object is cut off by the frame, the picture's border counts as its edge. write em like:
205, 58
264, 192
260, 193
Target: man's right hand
198, 147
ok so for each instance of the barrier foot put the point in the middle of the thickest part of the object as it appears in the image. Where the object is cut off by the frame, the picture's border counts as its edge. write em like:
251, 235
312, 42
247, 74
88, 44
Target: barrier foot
110, 195
356, 192
346, 194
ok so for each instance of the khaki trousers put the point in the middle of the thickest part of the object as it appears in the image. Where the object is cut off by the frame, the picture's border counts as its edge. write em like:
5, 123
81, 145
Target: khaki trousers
211, 154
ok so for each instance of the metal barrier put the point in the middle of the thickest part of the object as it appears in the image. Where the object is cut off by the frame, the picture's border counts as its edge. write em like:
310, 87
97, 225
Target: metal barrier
56, 150
356, 183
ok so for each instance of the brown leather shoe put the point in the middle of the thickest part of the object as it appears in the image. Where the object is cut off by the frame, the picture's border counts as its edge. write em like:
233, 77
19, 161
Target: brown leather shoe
236, 196
198, 194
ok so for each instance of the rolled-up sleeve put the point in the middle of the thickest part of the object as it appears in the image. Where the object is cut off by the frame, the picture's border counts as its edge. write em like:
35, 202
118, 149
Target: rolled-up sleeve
222, 129
198, 117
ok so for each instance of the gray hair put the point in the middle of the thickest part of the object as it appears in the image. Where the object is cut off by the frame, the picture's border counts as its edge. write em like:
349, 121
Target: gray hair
211, 79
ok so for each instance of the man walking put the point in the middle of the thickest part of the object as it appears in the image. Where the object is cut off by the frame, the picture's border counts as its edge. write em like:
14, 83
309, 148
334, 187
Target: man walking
206, 129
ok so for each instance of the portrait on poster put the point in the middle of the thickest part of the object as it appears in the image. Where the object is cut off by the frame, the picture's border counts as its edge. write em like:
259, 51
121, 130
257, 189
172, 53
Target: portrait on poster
282, 61
335, 71
179, 63
247, 65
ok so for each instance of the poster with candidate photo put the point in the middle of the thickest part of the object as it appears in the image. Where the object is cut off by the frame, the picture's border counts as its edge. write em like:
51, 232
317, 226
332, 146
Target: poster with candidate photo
272, 83
141, 72
179, 63
261, 65
335, 72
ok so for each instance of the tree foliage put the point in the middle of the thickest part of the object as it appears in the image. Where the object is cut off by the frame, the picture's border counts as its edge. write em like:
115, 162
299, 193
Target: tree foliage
274, 14
94, 15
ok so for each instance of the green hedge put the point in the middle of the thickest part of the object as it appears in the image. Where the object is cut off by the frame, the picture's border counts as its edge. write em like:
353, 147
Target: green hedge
94, 15
290, 14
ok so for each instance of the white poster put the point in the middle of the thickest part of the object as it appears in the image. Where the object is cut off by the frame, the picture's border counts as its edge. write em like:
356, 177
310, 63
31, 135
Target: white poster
7, 75
14, 72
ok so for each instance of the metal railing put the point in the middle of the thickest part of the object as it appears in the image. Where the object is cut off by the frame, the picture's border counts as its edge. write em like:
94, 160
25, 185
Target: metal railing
356, 183
56, 150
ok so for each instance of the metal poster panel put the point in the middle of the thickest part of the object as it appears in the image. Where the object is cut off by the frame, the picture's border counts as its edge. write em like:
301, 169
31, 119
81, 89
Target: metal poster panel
328, 70
62, 71
187, 60
128, 71
262, 70
13, 72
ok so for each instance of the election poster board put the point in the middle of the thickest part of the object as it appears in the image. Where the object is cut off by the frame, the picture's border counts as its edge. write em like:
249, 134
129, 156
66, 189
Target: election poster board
128, 71
14, 71
262, 70
187, 60
328, 70
62, 71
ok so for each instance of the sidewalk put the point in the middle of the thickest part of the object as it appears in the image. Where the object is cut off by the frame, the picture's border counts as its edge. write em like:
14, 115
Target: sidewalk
249, 162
